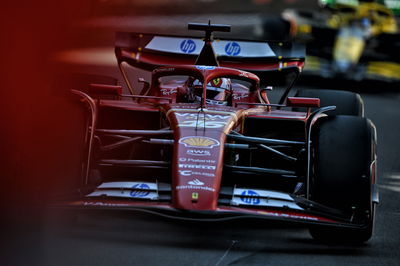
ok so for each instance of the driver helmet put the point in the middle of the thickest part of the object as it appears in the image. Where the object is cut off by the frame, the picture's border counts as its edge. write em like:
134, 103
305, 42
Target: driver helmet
218, 91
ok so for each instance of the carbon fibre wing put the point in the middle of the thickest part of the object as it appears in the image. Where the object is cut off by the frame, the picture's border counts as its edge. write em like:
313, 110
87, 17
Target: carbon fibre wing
149, 51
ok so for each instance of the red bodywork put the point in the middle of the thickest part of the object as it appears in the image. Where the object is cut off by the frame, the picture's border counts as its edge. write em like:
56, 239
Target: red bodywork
199, 135
191, 156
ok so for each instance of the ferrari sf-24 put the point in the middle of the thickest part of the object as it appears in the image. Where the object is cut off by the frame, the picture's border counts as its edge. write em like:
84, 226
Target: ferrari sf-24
202, 141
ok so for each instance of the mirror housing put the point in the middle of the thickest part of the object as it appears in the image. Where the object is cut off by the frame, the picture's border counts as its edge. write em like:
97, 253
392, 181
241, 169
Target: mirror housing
303, 102
146, 86
104, 89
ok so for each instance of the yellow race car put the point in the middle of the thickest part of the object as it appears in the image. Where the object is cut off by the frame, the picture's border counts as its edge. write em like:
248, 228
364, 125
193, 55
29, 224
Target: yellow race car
347, 39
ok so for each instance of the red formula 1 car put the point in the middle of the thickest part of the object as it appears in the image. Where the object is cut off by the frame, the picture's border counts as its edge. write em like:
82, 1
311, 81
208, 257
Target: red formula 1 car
203, 141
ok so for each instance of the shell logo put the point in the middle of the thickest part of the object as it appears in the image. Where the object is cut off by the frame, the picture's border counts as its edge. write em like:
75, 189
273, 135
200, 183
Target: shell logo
196, 142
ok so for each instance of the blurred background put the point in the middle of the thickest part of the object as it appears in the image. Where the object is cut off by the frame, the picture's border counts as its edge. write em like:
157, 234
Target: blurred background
45, 44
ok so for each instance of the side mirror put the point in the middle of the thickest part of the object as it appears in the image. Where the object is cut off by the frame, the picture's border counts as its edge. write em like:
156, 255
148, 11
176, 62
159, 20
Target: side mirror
104, 89
267, 88
263, 94
146, 86
303, 102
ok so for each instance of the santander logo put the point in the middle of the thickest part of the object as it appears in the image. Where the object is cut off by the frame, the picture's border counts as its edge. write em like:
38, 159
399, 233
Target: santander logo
195, 182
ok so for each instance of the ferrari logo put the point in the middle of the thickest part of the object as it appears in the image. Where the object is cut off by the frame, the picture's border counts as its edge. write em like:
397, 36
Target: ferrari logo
216, 82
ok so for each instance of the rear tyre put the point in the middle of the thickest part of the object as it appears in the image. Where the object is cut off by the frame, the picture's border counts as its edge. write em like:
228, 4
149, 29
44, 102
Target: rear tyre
346, 102
344, 149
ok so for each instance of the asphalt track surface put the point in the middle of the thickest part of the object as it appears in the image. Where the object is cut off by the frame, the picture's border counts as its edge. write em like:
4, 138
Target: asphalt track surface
137, 239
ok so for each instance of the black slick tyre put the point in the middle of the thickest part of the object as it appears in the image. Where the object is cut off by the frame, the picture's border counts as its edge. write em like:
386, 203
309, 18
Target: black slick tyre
344, 149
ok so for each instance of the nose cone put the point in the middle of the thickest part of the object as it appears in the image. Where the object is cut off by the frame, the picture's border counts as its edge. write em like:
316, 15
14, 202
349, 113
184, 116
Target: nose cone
197, 174
197, 168
198, 156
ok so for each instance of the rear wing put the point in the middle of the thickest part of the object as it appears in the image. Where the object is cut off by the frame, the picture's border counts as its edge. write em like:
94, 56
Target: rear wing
149, 51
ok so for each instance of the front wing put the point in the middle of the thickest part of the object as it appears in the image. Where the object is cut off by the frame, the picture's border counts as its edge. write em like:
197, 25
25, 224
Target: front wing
234, 204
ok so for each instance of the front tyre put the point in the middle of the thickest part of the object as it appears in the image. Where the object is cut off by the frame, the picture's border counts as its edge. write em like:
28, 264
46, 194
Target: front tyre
344, 154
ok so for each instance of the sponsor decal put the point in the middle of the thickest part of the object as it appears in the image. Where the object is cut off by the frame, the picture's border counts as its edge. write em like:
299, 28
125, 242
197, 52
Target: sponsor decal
168, 91
126, 184
202, 120
196, 152
185, 172
232, 48
249, 197
205, 67
197, 166
140, 193
289, 215
199, 142
202, 116
195, 182
245, 49
195, 187
94, 203
190, 172
183, 45
264, 194
175, 45
240, 96
196, 160
214, 102
201, 123
168, 69
188, 46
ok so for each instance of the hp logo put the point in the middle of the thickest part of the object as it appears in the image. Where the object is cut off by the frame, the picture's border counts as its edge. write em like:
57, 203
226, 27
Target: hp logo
249, 197
232, 48
188, 46
140, 193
